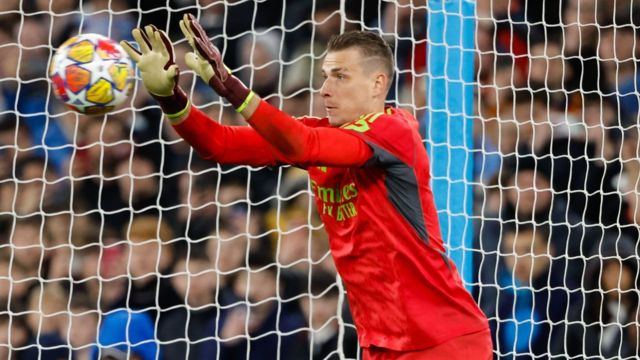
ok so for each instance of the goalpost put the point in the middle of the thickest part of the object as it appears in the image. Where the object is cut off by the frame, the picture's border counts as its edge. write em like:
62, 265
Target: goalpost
115, 237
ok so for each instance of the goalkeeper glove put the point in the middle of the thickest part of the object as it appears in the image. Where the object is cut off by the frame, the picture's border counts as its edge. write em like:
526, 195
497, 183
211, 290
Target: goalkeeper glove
158, 69
206, 61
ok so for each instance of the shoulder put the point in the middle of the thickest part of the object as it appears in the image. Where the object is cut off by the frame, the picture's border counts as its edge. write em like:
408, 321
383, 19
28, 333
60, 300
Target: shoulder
393, 131
390, 122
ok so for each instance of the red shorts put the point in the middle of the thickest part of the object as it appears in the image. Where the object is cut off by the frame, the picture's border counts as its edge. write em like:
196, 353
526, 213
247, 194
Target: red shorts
472, 346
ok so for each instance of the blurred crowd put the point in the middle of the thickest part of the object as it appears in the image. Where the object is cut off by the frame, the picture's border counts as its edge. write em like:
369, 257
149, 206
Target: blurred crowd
112, 231
116, 237
557, 169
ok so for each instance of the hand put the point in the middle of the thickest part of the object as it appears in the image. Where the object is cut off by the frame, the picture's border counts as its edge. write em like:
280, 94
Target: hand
206, 61
155, 60
158, 69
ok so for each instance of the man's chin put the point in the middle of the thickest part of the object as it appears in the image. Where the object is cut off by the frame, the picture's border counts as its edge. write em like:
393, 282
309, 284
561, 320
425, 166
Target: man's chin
335, 121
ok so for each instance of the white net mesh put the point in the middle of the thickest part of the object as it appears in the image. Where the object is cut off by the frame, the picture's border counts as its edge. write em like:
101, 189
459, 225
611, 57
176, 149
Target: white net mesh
557, 154
114, 233
117, 239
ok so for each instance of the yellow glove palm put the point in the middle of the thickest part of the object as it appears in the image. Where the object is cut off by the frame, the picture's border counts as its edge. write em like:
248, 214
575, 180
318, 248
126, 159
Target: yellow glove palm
155, 60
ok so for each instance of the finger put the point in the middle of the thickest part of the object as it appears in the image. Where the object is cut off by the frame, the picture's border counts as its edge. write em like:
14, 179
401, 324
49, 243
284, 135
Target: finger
133, 53
144, 44
201, 48
196, 28
214, 58
172, 71
192, 61
162, 46
146, 38
150, 35
148, 32
187, 33
186, 19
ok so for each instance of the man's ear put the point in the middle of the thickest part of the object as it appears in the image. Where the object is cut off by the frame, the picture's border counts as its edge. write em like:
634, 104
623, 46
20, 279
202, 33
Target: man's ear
381, 84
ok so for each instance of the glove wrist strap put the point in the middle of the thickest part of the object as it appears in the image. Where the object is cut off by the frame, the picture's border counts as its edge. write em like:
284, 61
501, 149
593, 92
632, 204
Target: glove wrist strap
173, 104
237, 93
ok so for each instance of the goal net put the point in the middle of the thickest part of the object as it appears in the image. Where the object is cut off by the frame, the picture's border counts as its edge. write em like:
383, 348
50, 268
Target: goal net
117, 239
556, 149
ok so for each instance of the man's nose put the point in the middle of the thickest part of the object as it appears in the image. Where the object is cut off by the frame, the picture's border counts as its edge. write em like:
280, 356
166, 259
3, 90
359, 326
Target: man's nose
324, 90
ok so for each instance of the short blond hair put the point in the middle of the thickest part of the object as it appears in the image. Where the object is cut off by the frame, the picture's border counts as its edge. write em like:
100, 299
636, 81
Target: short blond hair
148, 227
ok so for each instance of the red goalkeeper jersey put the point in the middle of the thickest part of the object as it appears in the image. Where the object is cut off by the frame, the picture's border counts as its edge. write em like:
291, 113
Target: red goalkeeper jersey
404, 292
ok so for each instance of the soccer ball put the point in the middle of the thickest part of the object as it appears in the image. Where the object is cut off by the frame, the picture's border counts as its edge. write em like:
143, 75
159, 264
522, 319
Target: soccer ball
91, 74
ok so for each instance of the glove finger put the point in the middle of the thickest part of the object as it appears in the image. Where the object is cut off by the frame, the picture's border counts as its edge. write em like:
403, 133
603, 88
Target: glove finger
133, 53
172, 71
187, 33
196, 28
201, 47
144, 44
192, 61
164, 45
148, 32
214, 58
146, 38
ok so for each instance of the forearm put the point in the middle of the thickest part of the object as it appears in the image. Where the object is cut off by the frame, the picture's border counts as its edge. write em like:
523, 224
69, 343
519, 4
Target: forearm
304, 145
225, 144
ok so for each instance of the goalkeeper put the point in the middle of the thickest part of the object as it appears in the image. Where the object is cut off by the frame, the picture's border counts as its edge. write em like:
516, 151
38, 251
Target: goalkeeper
370, 176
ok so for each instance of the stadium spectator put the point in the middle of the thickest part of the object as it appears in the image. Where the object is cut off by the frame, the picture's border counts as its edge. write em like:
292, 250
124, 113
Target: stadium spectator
501, 78
321, 308
407, 21
619, 54
102, 146
528, 199
580, 39
304, 72
260, 326
100, 15
48, 323
14, 136
28, 244
605, 326
14, 283
261, 52
529, 296
189, 331
14, 335
124, 335
82, 326
30, 98
549, 71
558, 143
236, 211
150, 258
197, 198
138, 183
228, 252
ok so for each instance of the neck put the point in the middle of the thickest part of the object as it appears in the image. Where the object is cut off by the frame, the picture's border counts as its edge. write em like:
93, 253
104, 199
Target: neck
373, 109
378, 107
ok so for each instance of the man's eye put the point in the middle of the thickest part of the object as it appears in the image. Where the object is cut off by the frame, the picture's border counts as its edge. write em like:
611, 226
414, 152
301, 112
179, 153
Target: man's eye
340, 76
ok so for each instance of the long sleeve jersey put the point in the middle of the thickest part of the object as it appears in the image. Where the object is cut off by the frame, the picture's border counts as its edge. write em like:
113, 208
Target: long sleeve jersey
370, 178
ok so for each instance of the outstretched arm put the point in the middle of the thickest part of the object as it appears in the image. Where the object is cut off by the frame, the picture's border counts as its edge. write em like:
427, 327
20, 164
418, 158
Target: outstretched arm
226, 144
322, 146
300, 144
